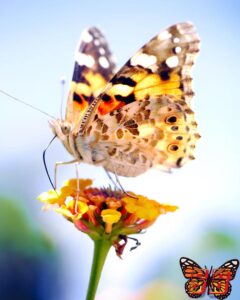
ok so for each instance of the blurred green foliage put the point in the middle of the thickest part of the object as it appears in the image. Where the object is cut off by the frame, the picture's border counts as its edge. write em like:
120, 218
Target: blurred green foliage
17, 230
216, 239
28, 259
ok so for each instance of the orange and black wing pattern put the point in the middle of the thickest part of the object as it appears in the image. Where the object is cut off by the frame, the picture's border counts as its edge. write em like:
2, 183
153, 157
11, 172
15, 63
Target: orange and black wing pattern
197, 277
219, 285
149, 99
161, 67
94, 67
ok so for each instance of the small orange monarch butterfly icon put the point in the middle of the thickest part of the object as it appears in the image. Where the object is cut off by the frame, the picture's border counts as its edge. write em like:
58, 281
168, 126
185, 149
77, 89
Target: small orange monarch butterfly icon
217, 280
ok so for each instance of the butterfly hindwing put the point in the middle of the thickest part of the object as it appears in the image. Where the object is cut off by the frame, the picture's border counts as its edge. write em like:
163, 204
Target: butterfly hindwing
197, 277
151, 91
94, 67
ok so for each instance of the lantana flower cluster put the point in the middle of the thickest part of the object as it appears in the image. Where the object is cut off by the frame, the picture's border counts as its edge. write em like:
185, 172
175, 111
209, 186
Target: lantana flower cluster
104, 212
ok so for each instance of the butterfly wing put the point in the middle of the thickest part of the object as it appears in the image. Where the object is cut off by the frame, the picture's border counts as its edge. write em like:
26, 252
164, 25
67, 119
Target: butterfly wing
197, 277
161, 67
94, 66
220, 286
144, 112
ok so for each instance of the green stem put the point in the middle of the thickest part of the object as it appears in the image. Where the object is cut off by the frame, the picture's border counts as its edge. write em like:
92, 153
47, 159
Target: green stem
101, 248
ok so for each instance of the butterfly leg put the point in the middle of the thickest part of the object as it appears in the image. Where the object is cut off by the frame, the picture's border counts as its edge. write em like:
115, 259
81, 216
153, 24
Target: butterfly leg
78, 186
57, 164
110, 177
119, 183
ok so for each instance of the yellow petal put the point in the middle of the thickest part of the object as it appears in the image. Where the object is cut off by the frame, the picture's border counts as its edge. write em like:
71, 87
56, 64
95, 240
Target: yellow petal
110, 216
51, 197
71, 211
145, 208
83, 183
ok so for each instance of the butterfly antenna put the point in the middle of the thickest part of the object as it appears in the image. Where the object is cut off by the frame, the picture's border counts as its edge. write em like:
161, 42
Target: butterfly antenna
44, 162
25, 103
210, 270
63, 84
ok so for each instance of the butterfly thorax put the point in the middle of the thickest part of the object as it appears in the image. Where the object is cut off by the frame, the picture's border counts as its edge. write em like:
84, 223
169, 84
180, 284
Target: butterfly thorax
209, 276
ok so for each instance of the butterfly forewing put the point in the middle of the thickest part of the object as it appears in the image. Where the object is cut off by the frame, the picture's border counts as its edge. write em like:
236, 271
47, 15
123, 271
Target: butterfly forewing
161, 67
94, 67
145, 106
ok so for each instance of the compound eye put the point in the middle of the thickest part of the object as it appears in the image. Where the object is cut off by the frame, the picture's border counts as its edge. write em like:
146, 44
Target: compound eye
65, 129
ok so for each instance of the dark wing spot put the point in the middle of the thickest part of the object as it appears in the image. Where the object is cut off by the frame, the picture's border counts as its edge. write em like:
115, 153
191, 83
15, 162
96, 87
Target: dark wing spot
130, 123
104, 128
164, 75
119, 116
133, 131
123, 80
147, 113
119, 133
127, 99
112, 151
173, 147
99, 124
179, 138
105, 137
106, 98
77, 98
178, 162
171, 119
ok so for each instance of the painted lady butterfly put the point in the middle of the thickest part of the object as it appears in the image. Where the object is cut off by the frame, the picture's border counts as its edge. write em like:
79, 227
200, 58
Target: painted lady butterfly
141, 116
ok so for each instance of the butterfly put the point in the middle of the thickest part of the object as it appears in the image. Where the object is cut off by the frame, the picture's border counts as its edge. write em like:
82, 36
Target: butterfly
139, 117
217, 280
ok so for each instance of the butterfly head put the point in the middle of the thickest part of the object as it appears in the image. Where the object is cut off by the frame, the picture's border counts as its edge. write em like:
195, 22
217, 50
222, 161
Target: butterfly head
65, 127
60, 128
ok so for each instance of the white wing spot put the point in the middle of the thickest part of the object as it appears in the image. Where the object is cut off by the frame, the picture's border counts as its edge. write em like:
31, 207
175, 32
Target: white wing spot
143, 60
102, 51
183, 259
86, 36
172, 61
96, 42
176, 40
178, 49
84, 60
164, 35
103, 62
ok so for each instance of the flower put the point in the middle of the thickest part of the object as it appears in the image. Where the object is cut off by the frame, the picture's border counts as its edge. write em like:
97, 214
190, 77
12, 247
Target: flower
104, 213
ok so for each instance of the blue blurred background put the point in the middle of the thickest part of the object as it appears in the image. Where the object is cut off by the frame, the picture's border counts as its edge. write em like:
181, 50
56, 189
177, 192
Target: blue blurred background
38, 40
